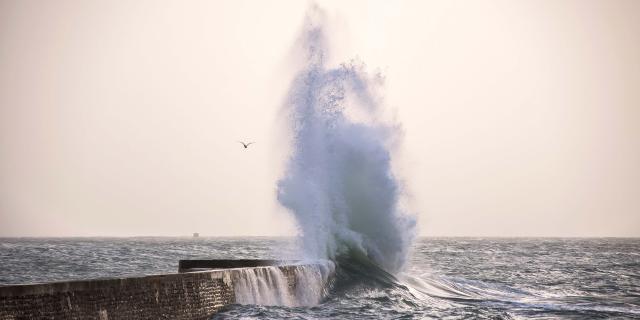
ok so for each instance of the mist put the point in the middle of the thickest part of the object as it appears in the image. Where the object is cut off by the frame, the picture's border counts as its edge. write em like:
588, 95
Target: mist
519, 118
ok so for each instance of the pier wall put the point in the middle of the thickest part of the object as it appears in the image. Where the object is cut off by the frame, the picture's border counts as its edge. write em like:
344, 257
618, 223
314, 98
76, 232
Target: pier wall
190, 295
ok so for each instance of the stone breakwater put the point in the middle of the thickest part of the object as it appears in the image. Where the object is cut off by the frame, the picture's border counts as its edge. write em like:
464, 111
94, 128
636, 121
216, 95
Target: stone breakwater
187, 295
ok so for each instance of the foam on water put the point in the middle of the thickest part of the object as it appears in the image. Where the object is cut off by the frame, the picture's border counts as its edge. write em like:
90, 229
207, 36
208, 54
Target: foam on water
299, 285
265, 286
447, 277
313, 282
338, 181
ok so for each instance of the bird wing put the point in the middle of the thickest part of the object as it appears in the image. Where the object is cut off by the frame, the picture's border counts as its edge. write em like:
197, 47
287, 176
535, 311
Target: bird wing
242, 143
250, 143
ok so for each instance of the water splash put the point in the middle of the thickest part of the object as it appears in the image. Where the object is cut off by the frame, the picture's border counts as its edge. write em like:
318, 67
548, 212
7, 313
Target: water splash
338, 181
292, 286
264, 286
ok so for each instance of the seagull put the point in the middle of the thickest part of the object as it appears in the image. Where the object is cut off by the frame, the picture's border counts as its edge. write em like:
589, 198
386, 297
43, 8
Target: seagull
245, 145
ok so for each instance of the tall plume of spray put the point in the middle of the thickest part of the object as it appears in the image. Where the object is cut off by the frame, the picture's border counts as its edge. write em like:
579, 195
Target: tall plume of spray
338, 181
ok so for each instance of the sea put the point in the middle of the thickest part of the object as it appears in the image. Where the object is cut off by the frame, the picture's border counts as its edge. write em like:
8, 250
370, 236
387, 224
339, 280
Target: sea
444, 278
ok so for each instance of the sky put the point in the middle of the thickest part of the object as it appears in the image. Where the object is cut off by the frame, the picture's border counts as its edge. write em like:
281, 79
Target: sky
121, 118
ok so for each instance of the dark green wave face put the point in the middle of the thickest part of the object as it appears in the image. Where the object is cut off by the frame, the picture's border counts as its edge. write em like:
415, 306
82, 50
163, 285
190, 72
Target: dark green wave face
355, 268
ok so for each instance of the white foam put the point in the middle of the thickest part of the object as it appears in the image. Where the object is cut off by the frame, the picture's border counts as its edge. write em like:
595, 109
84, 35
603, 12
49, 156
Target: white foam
270, 286
338, 182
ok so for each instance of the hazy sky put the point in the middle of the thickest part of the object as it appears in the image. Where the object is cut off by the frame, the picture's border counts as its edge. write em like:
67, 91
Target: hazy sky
520, 118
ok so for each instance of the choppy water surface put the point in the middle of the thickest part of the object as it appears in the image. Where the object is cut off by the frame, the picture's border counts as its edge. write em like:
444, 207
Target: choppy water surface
446, 278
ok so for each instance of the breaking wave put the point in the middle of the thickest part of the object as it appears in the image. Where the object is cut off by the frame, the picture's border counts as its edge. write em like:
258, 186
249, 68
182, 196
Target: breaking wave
338, 181
292, 286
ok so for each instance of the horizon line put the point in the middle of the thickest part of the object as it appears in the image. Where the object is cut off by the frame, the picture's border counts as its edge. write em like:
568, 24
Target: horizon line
293, 236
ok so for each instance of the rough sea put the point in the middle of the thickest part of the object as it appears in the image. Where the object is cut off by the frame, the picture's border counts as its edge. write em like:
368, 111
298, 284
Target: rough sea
445, 278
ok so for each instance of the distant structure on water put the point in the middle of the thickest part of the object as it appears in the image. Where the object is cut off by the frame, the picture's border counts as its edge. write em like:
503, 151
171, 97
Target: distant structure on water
195, 234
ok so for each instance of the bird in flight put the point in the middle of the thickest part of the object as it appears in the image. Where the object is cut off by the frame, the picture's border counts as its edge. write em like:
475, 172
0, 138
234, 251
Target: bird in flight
246, 145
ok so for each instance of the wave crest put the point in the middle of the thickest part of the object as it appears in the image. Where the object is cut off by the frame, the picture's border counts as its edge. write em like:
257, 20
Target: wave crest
338, 181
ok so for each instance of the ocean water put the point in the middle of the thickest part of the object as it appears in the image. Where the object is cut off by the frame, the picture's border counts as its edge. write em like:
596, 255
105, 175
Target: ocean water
445, 278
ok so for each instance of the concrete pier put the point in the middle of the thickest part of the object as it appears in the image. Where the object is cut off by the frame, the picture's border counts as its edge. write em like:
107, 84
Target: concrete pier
185, 295
200, 265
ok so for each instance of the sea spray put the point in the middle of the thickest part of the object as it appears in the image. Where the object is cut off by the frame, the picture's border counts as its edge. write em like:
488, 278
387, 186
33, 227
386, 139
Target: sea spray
293, 285
264, 286
338, 181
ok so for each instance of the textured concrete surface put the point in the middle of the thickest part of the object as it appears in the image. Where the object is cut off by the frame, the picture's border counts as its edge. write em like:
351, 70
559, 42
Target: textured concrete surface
191, 295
